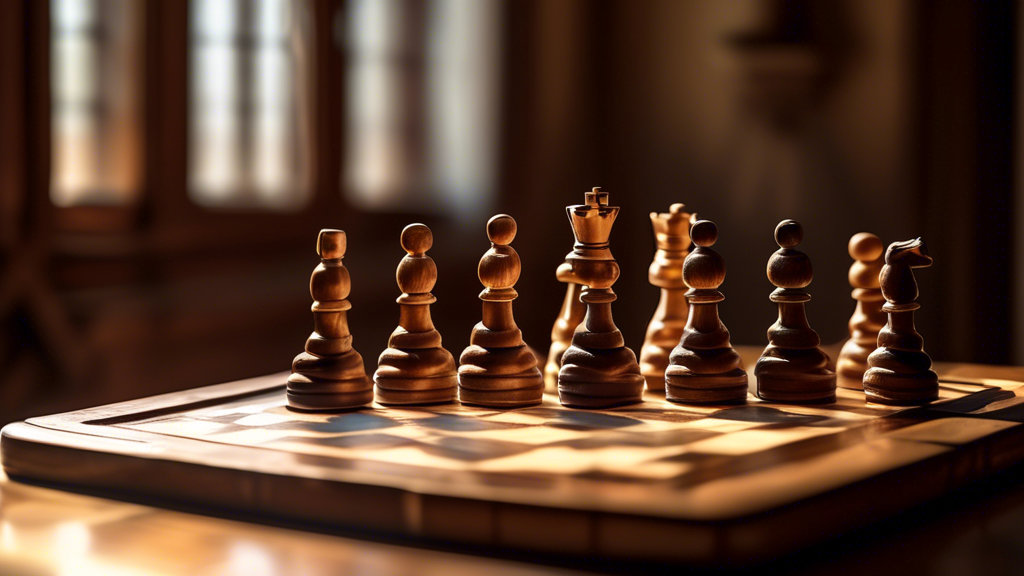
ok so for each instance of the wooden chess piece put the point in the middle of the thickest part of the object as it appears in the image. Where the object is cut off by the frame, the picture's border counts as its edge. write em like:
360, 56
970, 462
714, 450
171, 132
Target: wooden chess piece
598, 370
899, 369
703, 367
793, 368
868, 318
329, 375
498, 369
672, 237
415, 368
569, 318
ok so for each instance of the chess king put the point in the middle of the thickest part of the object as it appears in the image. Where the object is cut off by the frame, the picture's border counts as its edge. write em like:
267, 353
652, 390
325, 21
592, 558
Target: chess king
598, 370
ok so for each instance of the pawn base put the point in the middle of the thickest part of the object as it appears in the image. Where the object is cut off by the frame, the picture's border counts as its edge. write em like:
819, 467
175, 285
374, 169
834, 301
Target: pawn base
328, 402
501, 392
599, 378
685, 387
851, 364
815, 388
883, 386
417, 391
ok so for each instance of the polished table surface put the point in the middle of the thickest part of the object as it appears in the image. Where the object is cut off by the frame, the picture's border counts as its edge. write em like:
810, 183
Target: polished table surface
978, 529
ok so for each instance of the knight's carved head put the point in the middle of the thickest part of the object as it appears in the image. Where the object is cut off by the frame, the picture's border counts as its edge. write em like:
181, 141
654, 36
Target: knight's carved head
912, 253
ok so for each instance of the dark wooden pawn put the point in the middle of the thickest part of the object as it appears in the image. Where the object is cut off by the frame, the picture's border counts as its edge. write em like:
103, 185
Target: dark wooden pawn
899, 369
793, 368
598, 370
672, 237
329, 374
415, 368
868, 318
498, 369
703, 368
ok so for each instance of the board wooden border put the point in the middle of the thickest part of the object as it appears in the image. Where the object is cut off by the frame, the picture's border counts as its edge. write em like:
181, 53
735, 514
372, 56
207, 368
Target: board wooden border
71, 450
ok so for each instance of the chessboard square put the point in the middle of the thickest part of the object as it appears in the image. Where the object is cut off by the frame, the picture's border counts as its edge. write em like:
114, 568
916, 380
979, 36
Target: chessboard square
462, 423
178, 426
536, 435
263, 419
472, 449
764, 414
369, 441
751, 441
548, 460
952, 431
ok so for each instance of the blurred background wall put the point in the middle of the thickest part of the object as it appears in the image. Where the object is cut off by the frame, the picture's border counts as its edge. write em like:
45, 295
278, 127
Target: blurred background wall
165, 166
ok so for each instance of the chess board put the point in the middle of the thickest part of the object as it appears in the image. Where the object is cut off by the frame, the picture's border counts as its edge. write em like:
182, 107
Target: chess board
655, 481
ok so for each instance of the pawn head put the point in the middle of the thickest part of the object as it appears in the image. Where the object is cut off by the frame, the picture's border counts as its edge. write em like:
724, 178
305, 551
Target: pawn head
417, 239
331, 244
501, 229
704, 233
865, 247
789, 233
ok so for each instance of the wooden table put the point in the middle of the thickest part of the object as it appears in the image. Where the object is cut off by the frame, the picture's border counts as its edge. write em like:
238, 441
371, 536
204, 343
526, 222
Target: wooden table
977, 528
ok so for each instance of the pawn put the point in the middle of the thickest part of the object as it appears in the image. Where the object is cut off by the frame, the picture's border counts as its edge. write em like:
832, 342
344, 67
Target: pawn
793, 368
415, 369
704, 368
899, 369
868, 318
498, 369
329, 375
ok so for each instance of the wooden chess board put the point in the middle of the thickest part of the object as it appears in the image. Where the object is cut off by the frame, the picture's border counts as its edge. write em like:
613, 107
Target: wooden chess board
656, 481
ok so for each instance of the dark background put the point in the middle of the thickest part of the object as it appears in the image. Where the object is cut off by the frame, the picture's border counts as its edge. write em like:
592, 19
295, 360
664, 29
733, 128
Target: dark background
893, 117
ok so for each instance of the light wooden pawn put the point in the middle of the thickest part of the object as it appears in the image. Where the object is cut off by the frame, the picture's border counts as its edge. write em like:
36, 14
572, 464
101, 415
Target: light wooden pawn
415, 368
868, 318
329, 374
498, 369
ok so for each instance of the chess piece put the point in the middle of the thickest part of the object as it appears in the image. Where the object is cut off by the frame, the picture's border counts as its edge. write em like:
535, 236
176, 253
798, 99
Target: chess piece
793, 368
415, 369
671, 234
329, 375
866, 250
498, 369
703, 367
572, 313
598, 370
899, 369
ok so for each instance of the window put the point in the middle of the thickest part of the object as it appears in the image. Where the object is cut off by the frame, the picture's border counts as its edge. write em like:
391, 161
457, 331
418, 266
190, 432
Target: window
423, 104
249, 103
95, 73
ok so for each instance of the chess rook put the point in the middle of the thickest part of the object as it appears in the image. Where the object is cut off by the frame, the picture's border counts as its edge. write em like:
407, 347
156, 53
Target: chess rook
703, 368
868, 318
415, 369
899, 369
793, 368
671, 235
329, 374
498, 369
569, 318
598, 370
